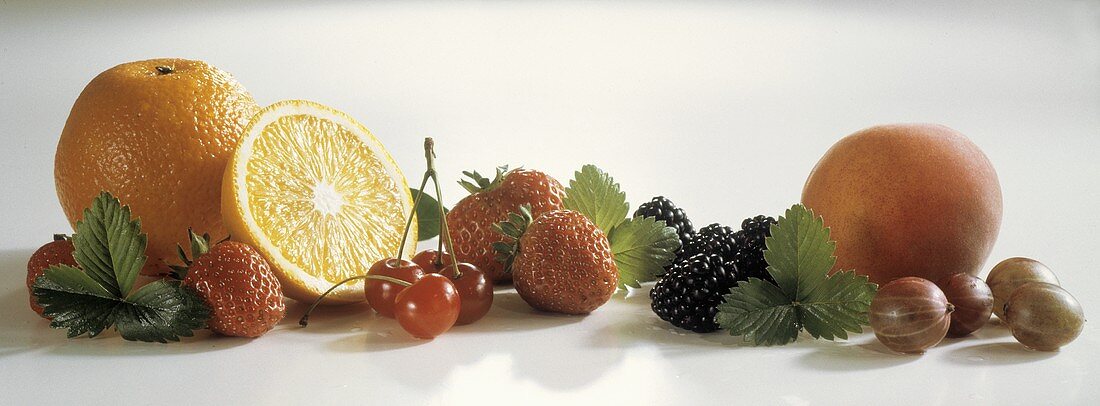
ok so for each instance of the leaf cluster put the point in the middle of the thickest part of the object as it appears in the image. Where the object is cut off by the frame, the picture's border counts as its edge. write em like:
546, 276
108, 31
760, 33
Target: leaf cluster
110, 250
799, 255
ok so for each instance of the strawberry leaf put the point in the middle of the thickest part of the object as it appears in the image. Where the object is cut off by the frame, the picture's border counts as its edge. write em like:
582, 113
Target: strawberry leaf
642, 247
759, 311
109, 246
74, 301
161, 311
800, 255
111, 250
596, 195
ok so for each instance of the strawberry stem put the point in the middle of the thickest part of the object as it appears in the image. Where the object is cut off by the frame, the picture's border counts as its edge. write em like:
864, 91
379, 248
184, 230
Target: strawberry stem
304, 321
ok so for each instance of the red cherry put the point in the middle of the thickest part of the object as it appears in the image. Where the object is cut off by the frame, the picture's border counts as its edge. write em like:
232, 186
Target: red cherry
473, 287
429, 307
427, 261
382, 294
475, 290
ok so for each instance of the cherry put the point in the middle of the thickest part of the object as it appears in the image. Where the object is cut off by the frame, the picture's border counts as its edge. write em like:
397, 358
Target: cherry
473, 287
475, 290
381, 294
429, 261
429, 307
425, 304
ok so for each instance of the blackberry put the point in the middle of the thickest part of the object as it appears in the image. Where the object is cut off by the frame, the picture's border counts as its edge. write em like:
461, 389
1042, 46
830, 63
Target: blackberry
713, 239
749, 252
663, 209
689, 294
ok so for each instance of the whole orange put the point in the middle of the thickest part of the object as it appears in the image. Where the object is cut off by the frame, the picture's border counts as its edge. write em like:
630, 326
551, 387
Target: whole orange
907, 200
157, 134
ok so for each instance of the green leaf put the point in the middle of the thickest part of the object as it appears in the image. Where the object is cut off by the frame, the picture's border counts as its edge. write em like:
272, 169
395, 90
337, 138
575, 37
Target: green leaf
74, 301
799, 255
109, 246
759, 311
596, 195
158, 312
642, 247
427, 216
799, 252
838, 305
161, 311
111, 250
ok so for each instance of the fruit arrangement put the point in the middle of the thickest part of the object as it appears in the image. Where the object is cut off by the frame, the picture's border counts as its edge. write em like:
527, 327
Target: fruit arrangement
307, 204
425, 304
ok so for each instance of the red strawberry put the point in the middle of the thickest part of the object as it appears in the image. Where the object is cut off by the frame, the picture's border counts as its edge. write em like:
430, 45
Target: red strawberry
57, 252
245, 297
472, 219
562, 262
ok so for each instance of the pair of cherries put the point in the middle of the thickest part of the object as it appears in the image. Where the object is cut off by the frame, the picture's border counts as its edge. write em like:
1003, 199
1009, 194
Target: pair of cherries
437, 295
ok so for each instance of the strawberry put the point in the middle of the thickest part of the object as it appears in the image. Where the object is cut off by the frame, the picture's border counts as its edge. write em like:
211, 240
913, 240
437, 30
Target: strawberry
245, 297
471, 220
57, 252
560, 261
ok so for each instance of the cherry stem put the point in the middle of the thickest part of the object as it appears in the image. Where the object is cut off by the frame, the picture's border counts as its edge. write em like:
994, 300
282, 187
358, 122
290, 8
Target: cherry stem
409, 222
304, 321
444, 230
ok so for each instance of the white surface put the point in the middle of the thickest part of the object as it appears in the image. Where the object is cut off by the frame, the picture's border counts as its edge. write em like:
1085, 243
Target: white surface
723, 108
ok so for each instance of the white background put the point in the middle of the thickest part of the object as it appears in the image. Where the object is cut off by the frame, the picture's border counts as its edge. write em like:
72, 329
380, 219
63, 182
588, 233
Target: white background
722, 107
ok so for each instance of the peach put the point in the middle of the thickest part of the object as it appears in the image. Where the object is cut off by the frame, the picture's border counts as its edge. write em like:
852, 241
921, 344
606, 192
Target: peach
907, 200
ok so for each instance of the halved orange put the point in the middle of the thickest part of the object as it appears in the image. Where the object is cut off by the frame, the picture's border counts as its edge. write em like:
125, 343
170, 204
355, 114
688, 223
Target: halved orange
318, 195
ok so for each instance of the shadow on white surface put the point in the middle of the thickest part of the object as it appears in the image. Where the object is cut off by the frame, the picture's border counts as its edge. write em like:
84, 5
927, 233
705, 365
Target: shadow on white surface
852, 356
511, 314
644, 328
327, 319
1002, 353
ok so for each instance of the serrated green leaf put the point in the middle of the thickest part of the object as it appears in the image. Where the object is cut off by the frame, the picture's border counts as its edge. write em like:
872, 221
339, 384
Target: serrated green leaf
799, 255
799, 252
838, 305
161, 311
74, 301
760, 312
427, 216
596, 195
642, 247
158, 312
109, 246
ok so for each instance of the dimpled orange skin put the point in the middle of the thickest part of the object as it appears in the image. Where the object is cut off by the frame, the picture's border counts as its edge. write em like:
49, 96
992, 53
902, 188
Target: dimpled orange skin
53, 253
907, 200
471, 220
565, 264
245, 297
157, 141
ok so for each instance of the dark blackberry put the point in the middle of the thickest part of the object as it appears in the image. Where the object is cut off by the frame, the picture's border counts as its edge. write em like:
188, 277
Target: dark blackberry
749, 253
663, 209
689, 294
712, 239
